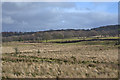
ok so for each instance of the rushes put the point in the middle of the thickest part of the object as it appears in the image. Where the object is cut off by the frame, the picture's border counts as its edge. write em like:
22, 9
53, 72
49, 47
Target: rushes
16, 50
74, 59
56, 61
38, 51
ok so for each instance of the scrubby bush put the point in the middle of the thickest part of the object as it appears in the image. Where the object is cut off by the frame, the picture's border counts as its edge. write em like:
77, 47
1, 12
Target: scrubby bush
16, 50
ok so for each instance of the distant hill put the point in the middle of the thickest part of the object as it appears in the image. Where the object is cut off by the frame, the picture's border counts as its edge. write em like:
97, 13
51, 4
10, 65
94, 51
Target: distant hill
103, 31
107, 28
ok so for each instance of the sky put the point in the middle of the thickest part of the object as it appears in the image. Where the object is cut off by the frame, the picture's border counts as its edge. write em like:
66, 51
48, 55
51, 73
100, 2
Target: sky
41, 16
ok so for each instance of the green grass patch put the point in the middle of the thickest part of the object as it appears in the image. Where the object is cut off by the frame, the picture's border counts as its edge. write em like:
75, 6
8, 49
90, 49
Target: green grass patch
109, 38
60, 40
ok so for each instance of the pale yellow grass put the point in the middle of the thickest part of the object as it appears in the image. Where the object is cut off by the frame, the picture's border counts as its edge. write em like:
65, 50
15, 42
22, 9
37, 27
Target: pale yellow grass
91, 61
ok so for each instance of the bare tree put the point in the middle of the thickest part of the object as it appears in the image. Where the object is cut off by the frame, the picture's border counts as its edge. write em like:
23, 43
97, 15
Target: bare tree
46, 36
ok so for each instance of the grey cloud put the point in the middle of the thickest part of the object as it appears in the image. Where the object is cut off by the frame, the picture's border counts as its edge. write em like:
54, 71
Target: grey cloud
45, 16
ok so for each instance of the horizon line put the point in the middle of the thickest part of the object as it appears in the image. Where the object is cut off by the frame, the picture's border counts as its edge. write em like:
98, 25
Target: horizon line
62, 29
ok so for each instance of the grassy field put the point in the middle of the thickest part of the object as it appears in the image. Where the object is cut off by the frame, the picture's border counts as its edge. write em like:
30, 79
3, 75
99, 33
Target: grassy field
95, 59
76, 38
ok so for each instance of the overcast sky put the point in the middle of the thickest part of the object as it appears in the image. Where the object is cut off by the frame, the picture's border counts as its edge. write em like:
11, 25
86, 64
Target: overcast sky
39, 16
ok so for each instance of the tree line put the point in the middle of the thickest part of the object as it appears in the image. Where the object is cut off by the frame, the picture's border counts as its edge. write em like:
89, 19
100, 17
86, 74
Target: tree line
111, 30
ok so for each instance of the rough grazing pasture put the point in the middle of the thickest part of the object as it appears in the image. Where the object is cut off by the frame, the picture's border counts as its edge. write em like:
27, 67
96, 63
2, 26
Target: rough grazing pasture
49, 60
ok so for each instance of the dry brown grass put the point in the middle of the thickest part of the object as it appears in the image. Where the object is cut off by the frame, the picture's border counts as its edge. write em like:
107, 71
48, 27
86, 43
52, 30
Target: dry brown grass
66, 60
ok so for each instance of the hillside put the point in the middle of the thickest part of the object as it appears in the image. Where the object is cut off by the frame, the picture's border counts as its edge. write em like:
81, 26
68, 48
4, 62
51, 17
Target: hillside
103, 31
107, 28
